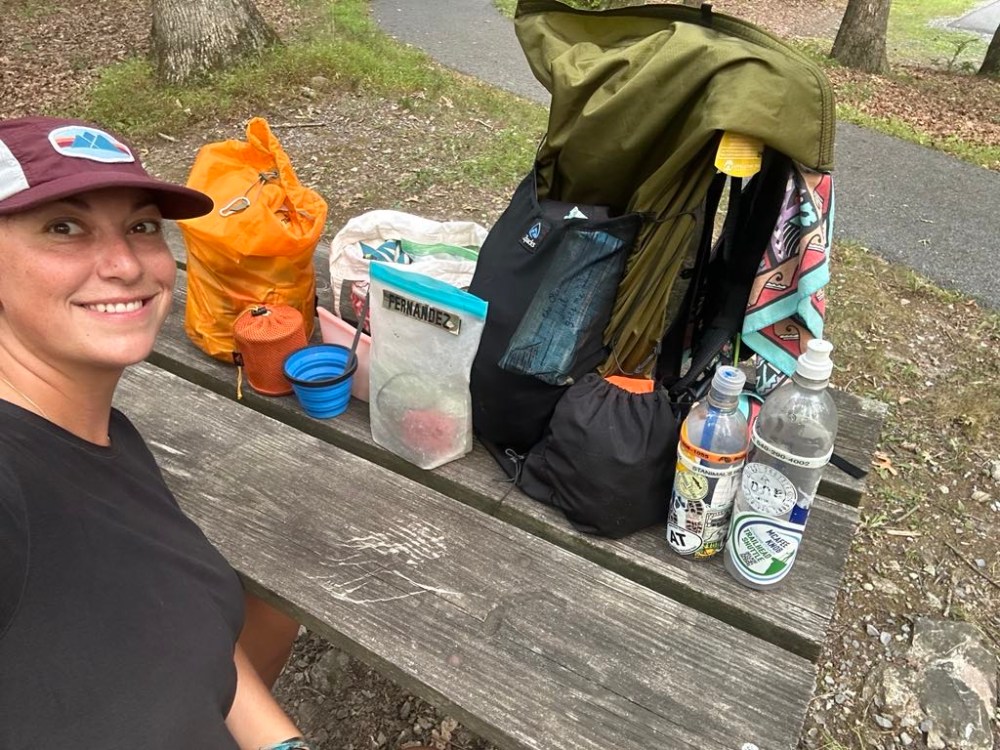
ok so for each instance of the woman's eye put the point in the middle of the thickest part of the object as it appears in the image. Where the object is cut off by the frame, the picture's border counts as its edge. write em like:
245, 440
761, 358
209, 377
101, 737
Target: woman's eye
64, 226
150, 226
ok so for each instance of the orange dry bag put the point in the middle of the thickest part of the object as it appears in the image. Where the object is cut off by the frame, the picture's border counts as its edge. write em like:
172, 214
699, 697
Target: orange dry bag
256, 247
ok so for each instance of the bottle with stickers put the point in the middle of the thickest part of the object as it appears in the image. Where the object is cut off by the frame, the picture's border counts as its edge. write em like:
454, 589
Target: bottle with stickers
790, 444
710, 454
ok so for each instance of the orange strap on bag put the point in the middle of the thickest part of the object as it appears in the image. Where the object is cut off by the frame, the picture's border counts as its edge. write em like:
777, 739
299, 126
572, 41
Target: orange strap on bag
257, 246
264, 337
632, 385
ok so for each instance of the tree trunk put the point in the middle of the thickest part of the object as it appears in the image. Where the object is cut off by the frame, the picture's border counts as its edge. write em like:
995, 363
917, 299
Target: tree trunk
991, 63
192, 37
860, 42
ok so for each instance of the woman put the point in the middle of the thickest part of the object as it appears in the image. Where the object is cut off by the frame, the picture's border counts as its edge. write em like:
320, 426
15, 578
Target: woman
118, 620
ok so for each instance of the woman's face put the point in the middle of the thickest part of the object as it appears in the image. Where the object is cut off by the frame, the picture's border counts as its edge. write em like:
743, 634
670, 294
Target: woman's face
85, 282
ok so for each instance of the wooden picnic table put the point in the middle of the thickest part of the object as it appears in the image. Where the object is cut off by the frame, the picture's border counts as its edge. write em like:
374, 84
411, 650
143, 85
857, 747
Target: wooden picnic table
477, 598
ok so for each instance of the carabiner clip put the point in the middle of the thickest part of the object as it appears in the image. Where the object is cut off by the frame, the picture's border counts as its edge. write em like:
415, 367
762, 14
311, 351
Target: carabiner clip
235, 206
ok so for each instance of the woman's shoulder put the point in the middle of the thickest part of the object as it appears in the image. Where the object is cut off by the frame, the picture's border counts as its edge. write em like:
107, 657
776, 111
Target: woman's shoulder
126, 437
14, 544
16, 423
121, 426
16, 451
13, 514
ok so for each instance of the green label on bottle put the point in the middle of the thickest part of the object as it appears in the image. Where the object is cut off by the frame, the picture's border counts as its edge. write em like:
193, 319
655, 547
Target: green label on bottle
762, 548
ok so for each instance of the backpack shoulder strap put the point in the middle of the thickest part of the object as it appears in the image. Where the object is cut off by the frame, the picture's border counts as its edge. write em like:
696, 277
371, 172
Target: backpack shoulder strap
676, 339
715, 304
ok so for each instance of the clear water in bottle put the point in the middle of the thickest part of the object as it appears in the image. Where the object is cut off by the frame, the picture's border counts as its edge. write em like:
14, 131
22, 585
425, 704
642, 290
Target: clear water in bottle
791, 443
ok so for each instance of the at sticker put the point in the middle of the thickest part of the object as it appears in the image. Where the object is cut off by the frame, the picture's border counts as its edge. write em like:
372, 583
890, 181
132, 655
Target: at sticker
683, 541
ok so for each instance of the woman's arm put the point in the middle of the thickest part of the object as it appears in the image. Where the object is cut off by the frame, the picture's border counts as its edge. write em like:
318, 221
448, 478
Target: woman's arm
255, 719
267, 637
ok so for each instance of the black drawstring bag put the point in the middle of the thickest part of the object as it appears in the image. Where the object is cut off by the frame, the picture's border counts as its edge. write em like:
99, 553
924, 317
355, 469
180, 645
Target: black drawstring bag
606, 459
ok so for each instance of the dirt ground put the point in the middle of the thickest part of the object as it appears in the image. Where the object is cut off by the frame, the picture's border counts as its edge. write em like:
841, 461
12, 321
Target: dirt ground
927, 544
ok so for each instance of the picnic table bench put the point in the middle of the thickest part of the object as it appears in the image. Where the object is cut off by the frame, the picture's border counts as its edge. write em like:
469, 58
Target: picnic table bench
480, 600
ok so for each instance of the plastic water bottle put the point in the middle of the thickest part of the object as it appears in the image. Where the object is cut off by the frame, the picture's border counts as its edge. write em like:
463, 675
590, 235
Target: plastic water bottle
710, 454
791, 442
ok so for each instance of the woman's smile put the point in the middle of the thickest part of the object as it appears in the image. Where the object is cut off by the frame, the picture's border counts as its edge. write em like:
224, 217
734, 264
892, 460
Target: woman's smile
116, 307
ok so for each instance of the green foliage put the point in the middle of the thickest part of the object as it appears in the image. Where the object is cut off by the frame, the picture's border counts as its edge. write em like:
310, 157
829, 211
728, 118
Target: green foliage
918, 34
508, 156
341, 44
955, 63
817, 50
127, 99
852, 95
354, 51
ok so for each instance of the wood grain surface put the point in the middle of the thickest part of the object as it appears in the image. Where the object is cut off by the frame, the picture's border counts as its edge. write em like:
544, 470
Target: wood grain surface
529, 644
796, 617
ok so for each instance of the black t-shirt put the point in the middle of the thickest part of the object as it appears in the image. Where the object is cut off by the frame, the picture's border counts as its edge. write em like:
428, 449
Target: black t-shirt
117, 617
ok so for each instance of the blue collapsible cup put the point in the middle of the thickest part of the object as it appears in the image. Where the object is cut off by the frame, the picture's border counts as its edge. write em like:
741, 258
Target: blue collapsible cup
321, 376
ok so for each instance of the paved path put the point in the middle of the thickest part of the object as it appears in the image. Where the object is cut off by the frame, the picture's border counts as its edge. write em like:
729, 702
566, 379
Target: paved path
910, 204
982, 20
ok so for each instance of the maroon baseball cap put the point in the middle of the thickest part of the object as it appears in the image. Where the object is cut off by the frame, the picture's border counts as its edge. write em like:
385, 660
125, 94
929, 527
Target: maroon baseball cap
43, 159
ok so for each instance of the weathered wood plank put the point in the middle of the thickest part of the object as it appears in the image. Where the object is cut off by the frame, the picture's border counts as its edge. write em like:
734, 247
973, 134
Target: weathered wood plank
529, 644
796, 617
858, 431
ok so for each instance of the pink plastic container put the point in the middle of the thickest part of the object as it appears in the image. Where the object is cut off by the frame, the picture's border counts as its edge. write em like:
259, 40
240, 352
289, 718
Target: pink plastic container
335, 330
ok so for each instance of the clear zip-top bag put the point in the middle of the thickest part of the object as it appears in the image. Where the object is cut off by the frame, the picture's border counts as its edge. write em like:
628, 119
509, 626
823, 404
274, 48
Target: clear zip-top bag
425, 334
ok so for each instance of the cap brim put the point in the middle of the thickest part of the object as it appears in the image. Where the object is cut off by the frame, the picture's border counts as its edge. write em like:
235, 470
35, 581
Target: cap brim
174, 201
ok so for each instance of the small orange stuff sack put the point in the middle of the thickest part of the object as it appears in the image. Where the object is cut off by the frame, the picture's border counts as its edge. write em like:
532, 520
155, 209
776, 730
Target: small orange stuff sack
257, 246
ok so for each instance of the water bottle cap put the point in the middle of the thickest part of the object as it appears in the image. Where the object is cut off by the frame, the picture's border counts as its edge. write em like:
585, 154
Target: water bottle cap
729, 380
815, 363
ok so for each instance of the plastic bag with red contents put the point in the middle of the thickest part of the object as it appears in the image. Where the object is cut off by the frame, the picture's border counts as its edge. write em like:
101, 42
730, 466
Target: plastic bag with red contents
424, 336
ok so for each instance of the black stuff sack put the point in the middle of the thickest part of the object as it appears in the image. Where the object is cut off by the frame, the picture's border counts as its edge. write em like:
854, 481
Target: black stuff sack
549, 270
606, 459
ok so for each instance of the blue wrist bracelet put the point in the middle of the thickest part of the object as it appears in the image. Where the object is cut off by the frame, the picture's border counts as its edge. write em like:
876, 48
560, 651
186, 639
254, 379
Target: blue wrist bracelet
292, 743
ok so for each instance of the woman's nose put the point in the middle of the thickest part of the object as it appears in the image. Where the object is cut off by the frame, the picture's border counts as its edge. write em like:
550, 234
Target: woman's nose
119, 259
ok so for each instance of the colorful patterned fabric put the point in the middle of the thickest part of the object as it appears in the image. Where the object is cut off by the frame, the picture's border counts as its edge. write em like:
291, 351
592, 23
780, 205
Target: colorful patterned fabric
787, 302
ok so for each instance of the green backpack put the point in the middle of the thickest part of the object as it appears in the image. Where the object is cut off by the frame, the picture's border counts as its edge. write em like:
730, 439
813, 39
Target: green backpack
608, 251
640, 99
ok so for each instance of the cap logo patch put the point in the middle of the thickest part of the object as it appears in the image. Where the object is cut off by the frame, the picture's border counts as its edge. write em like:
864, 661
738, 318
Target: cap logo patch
82, 142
